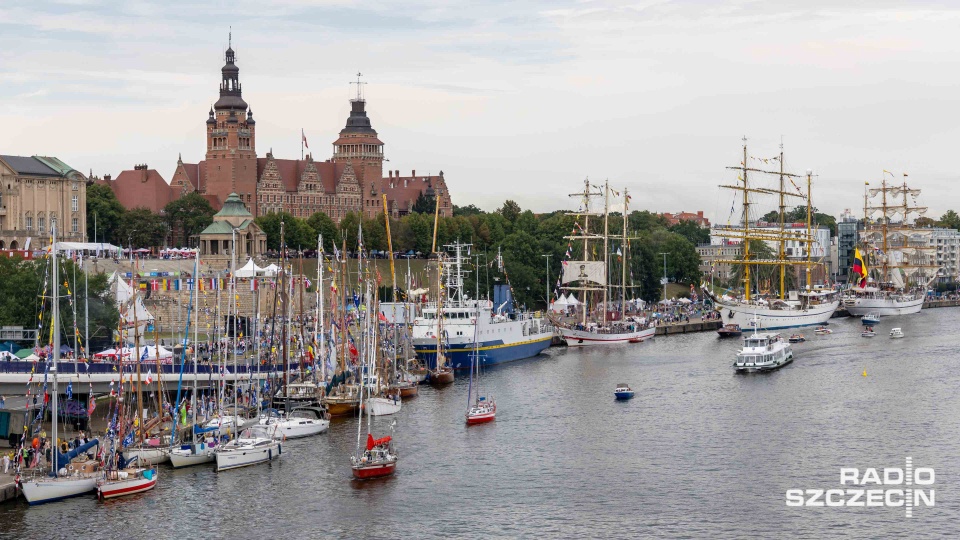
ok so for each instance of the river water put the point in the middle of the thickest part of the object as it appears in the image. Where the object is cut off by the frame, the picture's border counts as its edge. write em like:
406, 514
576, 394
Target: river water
701, 452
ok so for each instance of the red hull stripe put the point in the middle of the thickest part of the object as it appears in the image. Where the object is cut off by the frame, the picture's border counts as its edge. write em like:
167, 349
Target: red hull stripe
130, 490
374, 472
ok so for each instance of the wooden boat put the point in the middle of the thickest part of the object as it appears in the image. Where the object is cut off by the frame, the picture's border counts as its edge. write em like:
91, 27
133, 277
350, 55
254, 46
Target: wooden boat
623, 392
405, 389
120, 483
729, 330
441, 376
343, 401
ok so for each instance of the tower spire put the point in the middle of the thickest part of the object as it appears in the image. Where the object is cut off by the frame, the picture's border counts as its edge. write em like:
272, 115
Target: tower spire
359, 87
230, 38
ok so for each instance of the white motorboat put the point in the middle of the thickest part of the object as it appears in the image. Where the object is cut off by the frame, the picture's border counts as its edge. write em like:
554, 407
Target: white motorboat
383, 406
822, 331
896, 333
295, 424
763, 352
868, 333
255, 445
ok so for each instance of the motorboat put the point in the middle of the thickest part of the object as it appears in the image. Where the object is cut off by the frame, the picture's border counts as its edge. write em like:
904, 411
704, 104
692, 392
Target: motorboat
868, 332
129, 481
870, 319
255, 445
797, 338
377, 460
896, 333
383, 406
623, 392
729, 330
822, 331
763, 352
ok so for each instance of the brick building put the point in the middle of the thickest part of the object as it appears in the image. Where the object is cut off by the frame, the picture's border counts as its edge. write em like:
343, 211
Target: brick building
673, 219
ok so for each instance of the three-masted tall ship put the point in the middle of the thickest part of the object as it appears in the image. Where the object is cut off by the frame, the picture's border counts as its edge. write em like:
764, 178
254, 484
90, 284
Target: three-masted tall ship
900, 261
591, 278
810, 305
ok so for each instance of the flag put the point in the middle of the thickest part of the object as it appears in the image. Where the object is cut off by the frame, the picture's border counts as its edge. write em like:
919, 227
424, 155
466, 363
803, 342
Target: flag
304, 137
150, 377
254, 285
69, 390
128, 440
859, 267
143, 356
92, 406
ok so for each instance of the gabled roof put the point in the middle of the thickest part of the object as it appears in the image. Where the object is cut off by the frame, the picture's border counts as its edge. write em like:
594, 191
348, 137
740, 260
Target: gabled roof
29, 166
56, 165
143, 188
292, 169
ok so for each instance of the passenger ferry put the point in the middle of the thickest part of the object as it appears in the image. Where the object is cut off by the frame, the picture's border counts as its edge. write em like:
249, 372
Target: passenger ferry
763, 352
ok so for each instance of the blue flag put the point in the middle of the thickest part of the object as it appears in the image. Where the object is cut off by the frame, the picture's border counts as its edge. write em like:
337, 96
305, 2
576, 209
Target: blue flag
128, 440
69, 390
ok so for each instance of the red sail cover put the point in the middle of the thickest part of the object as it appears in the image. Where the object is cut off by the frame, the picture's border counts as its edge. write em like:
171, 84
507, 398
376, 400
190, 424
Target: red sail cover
371, 442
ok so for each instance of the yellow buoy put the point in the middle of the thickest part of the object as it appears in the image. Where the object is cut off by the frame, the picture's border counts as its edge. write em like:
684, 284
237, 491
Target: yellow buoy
864, 373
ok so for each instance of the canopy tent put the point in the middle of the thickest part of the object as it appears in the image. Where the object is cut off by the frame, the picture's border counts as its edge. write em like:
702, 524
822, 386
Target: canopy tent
146, 353
559, 305
95, 247
685, 300
9, 346
31, 358
249, 270
23, 353
271, 270
572, 300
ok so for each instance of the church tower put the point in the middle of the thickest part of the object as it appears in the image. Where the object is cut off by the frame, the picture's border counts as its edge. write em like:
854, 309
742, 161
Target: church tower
358, 145
231, 161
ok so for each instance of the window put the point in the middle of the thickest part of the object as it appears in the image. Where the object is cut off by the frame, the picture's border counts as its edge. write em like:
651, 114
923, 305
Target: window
40, 225
75, 225
29, 222
75, 204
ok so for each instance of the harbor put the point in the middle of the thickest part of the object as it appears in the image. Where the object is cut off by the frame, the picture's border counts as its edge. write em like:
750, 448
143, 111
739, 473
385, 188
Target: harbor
694, 433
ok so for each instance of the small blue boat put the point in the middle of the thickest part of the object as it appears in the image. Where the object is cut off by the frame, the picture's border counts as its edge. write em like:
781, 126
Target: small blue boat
623, 392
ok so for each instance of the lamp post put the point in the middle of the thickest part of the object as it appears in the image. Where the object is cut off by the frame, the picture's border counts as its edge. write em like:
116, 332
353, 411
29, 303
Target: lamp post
548, 255
664, 279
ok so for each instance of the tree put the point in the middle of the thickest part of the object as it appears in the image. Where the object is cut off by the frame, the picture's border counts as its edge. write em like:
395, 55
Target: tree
425, 204
141, 228
105, 210
297, 233
322, 224
188, 216
950, 220
510, 211
469, 210
799, 215
925, 222
683, 262
692, 231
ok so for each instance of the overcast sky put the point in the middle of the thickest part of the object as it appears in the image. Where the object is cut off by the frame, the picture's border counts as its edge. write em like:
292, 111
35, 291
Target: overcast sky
518, 99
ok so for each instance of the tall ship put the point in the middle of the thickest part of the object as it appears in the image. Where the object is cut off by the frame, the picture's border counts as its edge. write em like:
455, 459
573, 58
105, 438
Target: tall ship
810, 305
897, 262
503, 332
591, 278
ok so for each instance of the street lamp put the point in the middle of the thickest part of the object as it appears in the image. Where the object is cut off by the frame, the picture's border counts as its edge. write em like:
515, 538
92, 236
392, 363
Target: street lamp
548, 255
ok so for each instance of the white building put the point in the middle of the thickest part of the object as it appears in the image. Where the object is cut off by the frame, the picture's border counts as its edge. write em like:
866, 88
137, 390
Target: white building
947, 243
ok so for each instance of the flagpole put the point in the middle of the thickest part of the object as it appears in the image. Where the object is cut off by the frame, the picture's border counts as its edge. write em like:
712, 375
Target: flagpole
302, 137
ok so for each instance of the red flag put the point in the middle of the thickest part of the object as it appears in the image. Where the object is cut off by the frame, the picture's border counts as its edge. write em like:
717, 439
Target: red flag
304, 139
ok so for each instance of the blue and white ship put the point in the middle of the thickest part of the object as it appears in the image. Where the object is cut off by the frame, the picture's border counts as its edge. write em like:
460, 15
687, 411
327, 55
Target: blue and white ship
503, 333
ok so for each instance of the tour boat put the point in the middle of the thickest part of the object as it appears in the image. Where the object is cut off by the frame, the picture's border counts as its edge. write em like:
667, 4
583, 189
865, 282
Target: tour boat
868, 332
870, 318
729, 330
896, 333
255, 445
623, 392
763, 352
797, 338
377, 460
119, 483
383, 406
614, 333
822, 331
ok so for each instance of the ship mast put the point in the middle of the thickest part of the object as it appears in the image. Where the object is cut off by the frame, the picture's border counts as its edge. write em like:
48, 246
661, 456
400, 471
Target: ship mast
809, 246
606, 246
883, 225
585, 237
624, 260
782, 243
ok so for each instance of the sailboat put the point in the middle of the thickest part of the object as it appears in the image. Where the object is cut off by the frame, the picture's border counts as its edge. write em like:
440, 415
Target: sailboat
903, 261
480, 409
442, 373
343, 395
592, 277
813, 305
376, 458
66, 478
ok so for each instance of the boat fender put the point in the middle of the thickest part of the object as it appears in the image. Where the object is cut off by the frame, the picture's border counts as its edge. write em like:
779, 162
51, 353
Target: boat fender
279, 449
729, 313
270, 454
70, 467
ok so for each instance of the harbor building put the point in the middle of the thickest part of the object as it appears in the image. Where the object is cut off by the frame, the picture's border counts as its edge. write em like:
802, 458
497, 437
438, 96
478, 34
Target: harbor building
947, 244
35, 192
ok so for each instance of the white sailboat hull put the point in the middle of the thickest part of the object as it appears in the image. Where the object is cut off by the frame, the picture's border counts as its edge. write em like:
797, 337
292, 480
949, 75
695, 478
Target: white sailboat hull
585, 338
180, 458
246, 455
147, 456
295, 428
383, 406
884, 307
749, 316
44, 490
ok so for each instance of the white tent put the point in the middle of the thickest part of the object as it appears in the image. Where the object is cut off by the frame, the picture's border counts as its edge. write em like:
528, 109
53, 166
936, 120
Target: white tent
572, 300
249, 270
559, 305
685, 301
122, 292
270, 270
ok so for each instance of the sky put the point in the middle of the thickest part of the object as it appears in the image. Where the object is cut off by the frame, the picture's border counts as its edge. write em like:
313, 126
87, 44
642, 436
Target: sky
517, 100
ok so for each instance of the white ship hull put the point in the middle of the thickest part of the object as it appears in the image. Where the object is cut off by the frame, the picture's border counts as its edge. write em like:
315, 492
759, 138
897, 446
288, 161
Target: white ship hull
584, 338
884, 307
147, 456
383, 406
749, 316
295, 428
48, 489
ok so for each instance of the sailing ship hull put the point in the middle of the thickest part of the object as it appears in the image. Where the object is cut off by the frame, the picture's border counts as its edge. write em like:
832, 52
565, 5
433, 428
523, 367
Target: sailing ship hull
147, 456
112, 489
482, 417
438, 378
407, 391
185, 458
244, 457
749, 316
885, 307
54, 489
490, 352
383, 406
342, 408
585, 338
374, 471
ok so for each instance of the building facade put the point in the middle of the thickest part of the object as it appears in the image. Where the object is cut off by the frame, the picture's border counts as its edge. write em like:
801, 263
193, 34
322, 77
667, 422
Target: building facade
710, 254
848, 235
232, 223
947, 244
37, 191
673, 219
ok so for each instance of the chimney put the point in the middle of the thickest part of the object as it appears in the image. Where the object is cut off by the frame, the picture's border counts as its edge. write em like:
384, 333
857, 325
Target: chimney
107, 177
391, 173
398, 173
414, 173
700, 214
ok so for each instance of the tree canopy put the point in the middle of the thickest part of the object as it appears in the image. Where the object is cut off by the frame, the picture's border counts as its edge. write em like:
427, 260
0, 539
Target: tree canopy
106, 212
188, 216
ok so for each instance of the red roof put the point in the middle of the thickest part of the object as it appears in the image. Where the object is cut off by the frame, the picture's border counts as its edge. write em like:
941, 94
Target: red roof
292, 169
142, 188
405, 196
